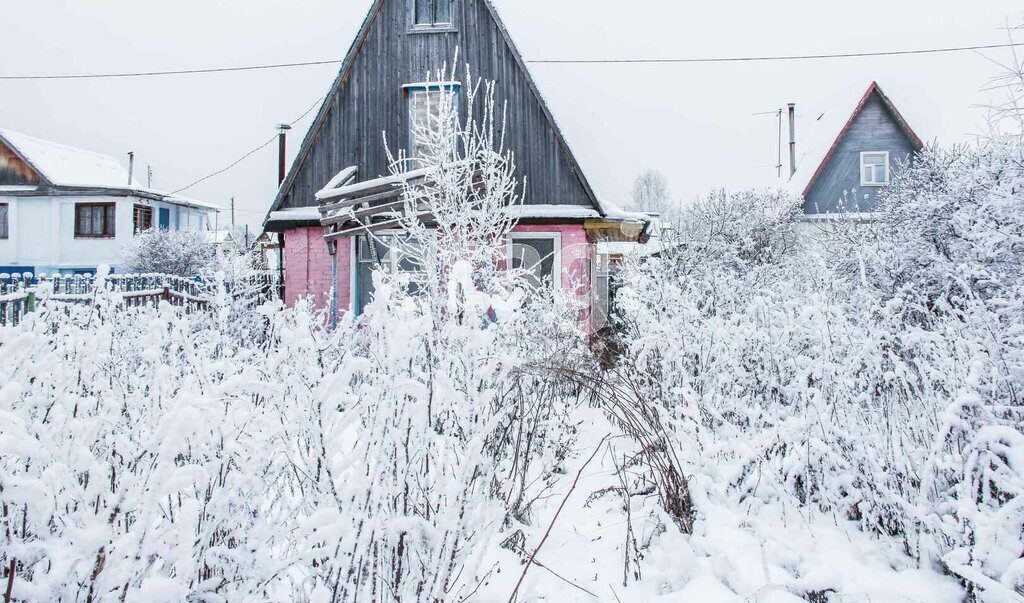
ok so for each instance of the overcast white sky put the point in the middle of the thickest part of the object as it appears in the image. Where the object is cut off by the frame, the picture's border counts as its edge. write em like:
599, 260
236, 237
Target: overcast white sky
693, 122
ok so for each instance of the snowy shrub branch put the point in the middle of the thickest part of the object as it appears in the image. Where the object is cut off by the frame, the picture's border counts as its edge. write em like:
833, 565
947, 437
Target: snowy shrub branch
871, 370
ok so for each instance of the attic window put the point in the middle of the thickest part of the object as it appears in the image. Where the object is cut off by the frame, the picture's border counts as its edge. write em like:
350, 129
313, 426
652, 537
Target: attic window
874, 168
430, 14
427, 105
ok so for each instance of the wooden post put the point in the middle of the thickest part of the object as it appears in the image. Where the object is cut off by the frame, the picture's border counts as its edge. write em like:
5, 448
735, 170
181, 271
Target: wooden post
10, 582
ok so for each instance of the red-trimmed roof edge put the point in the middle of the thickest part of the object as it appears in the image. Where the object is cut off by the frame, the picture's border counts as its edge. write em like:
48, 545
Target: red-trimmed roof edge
873, 88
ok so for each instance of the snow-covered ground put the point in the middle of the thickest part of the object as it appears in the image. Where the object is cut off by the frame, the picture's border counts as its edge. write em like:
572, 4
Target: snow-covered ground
737, 553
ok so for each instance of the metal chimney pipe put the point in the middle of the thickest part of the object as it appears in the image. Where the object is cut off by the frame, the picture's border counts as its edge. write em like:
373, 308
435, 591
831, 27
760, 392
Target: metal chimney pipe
131, 167
792, 139
282, 134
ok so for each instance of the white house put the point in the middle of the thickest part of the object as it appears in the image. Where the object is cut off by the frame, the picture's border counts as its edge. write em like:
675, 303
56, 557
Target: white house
65, 210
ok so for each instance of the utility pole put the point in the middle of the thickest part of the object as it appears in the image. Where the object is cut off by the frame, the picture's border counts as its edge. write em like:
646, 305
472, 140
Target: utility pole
232, 213
149, 176
778, 166
792, 139
778, 163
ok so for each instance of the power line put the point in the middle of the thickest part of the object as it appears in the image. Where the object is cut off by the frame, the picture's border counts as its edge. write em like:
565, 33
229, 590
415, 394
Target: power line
740, 59
97, 76
250, 153
801, 57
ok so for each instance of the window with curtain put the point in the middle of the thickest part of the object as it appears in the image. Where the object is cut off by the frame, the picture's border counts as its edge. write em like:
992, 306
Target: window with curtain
94, 220
4, 228
432, 13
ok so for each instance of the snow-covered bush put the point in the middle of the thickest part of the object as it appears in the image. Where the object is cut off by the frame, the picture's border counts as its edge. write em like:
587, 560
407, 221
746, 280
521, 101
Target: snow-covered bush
437, 466
872, 372
186, 253
147, 454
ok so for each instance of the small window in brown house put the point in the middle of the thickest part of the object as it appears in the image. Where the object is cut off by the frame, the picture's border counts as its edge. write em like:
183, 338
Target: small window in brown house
94, 220
4, 229
143, 218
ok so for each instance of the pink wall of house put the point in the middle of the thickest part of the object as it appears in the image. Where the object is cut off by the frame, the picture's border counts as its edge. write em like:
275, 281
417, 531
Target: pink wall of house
575, 255
308, 266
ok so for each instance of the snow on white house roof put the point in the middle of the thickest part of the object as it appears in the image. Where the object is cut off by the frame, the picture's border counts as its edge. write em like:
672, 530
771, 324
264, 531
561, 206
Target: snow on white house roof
62, 165
827, 122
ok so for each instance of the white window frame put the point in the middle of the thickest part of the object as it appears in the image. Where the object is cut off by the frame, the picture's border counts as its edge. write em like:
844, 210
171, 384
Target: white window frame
885, 182
556, 267
408, 91
355, 261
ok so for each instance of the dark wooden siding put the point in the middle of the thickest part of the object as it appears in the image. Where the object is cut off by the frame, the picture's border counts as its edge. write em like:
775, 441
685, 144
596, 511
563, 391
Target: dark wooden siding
838, 185
371, 103
14, 171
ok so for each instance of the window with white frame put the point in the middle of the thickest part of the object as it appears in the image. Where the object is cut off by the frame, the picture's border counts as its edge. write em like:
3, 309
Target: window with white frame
4, 228
431, 14
874, 168
539, 254
428, 106
392, 253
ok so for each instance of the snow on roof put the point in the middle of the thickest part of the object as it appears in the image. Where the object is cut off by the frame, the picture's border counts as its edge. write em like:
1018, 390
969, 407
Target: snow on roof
63, 165
308, 214
554, 211
819, 126
295, 214
177, 199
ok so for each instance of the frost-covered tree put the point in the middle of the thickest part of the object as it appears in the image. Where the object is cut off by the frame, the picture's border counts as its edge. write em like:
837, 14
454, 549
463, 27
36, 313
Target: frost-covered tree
186, 253
431, 472
651, 194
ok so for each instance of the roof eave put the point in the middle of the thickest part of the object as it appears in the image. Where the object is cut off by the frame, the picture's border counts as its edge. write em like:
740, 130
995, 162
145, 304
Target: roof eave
113, 191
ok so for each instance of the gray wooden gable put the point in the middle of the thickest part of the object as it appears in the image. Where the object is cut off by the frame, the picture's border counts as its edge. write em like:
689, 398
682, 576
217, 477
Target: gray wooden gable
367, 101
875, 125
